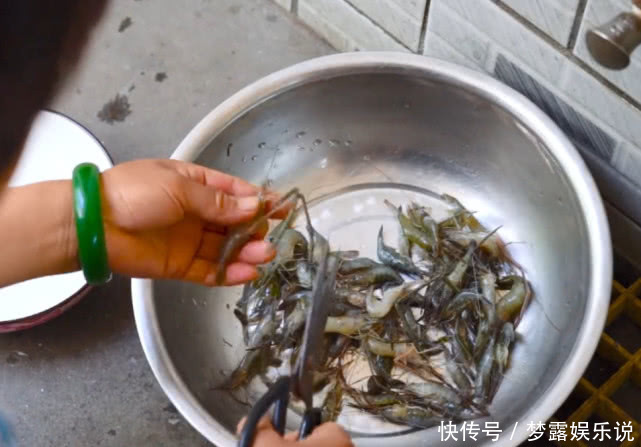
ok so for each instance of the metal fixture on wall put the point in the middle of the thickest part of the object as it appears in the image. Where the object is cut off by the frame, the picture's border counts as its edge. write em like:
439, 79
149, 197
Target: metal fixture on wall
612, 43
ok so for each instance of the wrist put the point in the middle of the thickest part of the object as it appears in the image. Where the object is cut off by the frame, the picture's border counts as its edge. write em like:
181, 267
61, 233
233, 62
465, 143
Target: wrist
64, 252
37, 232
69, 237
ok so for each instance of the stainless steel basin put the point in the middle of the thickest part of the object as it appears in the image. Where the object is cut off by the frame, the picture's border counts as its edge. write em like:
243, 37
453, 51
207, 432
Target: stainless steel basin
352, 129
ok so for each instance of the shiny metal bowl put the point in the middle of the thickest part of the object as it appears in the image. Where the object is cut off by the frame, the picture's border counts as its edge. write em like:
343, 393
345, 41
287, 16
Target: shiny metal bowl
353, 129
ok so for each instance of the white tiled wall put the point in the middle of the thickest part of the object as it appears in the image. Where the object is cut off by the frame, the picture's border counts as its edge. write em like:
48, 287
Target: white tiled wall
345, 27
553, 17
401, 18
442, 49
627, 160
501, 29
543, 39
464, 38
602, 103
287, 4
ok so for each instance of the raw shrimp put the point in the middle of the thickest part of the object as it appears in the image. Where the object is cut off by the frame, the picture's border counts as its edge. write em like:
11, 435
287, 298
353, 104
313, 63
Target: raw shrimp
445, 316
333, 403
346, 325
503, 344
412, 416
355, 265
384, 349
510, 305
394, 259
241, 234
379, 307
379, 274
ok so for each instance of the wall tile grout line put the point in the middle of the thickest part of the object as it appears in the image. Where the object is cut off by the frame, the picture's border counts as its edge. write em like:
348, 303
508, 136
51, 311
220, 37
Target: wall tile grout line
310, 28
525, 22
421, 39
604, 81
576, 25
377, 25
569, 54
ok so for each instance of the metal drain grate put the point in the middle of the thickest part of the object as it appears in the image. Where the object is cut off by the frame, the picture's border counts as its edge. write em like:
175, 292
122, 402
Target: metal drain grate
610, 390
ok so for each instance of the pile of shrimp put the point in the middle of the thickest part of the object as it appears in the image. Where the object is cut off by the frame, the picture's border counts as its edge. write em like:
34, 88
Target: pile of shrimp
434, 319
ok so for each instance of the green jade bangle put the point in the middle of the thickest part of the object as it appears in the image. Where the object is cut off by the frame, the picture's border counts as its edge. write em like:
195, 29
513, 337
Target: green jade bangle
92, 249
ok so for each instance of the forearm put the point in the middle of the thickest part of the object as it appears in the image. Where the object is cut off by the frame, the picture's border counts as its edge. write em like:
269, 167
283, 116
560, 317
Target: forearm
37, 231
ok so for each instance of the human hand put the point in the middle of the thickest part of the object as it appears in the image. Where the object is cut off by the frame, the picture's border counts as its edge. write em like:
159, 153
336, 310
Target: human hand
168, 219
327, 434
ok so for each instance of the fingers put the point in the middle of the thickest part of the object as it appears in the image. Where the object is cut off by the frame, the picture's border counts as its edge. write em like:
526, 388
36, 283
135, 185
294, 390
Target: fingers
265, 435
328, 434
264, 424
219, 208
215, 206
229, 185
254, 252
261, 232
216, 179
204, 272
238, 273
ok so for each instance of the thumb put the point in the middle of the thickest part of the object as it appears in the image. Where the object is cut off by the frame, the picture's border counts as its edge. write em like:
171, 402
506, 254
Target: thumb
215, 206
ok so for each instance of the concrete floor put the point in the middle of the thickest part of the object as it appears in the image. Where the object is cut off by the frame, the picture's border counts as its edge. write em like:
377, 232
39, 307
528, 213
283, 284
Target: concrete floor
82, 379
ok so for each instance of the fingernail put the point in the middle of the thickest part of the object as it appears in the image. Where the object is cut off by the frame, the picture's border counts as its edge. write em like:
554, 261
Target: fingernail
248, 203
